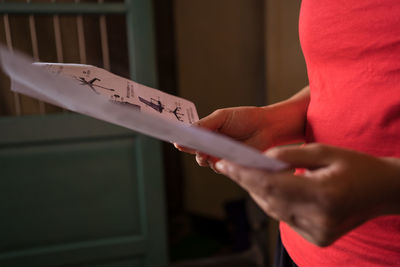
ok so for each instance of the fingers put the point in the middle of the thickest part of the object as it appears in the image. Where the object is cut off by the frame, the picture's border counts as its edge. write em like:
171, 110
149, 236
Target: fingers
184, 149
202, 159
205, 160
310, 156
282, 196
250, 179
214, 121
313, 208
262, 183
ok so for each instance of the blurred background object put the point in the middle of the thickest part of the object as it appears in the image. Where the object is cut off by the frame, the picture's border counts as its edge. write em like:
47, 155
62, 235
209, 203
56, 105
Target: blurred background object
217, 54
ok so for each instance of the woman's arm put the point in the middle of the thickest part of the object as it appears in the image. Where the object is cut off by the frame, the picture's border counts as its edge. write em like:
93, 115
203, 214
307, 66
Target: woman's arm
287, 119
258, 127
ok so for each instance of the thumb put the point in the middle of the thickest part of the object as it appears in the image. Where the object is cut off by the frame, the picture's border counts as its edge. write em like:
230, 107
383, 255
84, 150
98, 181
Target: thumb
309, 156
214, 121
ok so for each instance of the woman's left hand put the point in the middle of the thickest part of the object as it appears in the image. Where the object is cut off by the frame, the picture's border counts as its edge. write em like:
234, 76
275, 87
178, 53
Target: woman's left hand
339, 190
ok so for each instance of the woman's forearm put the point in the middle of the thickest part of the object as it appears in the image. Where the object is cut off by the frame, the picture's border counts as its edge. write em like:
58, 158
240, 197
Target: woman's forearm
288, 118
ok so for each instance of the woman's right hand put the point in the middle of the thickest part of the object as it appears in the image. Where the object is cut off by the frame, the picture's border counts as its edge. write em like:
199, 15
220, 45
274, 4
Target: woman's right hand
244, 124
258, 127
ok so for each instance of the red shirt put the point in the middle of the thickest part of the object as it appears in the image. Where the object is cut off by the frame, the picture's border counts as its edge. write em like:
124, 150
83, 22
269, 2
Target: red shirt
352, 51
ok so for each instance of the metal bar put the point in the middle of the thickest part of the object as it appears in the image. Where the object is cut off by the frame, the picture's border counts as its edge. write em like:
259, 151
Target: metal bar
81, 37
17, 100
130, 35
141, 42
58, 41
104, 43
7, 31
104, 40
35, 51
32, 28
62, 8
57, 36
81, 40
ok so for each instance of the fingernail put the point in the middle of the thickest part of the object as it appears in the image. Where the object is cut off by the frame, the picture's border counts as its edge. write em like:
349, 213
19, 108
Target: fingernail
220, 166
272, 152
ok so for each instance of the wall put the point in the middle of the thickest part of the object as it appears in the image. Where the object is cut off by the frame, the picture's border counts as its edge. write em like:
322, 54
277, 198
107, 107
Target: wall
220, 63
286, 70
230, 53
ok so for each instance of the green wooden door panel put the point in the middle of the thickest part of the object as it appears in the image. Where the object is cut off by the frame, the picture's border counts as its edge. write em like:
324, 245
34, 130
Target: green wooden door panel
78, 191
68, 192
53, 127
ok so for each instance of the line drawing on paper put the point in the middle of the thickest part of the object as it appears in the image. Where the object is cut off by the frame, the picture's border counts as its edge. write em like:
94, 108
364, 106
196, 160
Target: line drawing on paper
158, 106
177, 113
92, 84
125, 103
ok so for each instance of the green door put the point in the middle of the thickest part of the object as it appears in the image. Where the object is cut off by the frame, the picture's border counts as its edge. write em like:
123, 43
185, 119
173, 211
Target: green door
75, 191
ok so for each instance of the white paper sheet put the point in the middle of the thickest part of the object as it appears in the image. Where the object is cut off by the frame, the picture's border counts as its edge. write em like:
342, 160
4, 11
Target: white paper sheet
123, 91
69, 93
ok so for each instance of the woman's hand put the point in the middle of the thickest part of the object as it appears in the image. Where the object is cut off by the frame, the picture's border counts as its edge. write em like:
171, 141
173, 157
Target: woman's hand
258, 127
340, 189
244, 124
